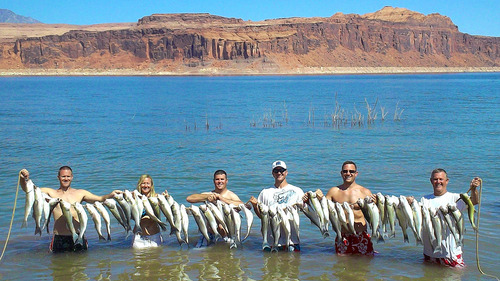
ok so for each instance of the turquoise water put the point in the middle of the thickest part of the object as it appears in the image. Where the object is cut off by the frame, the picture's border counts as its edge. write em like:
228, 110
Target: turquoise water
111, 130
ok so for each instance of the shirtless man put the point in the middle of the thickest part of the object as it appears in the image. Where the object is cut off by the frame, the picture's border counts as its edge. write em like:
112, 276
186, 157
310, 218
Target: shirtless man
221, 193
62, 240
349, 191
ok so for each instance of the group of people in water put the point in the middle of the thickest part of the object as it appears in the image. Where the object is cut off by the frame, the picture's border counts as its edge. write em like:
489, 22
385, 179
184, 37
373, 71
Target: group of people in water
280, 194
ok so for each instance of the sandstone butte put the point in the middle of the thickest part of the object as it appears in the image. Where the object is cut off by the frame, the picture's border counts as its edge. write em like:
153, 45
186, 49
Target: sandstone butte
391, 40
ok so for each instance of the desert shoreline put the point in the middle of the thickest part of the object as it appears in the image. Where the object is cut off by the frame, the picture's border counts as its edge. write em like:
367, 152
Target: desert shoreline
239, 72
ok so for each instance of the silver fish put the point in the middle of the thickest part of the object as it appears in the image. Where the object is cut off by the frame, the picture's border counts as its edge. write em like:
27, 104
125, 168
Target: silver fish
374, 219
285, 224
350, 216
417, 218
83, 218
438, 230
264, 216
341, 216
228, 219
407, 211
166, 209
219, 217
211, 220
134, 210
30, 200
66, 210
96, 217
295, 219
236, 218
334, 220
316, 204
155, 205
249, 218
390, 212
38, 209
126, 209
200, 221
451, 226
185, 223
427, 228
381, 208
311, 214
105, 216
116, 212
274, 219
459, 221
150, 212
402, 220
53, 202
326, 214
176, 211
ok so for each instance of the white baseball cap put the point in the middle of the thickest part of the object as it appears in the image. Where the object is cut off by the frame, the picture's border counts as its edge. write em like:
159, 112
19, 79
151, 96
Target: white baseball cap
279, 163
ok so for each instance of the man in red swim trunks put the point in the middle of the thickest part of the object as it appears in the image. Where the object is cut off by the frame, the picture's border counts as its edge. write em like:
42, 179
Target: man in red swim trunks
349, 191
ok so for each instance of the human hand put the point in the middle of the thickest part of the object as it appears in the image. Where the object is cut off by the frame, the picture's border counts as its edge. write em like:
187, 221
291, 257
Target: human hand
319, 194
253, 200
475, 182
25, 174
165, 193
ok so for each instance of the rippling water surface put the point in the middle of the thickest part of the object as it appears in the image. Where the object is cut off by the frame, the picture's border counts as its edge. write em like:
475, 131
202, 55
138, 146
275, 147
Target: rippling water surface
111, 130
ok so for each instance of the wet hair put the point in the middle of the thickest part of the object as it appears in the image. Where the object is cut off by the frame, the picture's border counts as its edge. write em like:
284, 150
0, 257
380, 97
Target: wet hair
349, 162
141, 179
439, 170
64, 168
220, 172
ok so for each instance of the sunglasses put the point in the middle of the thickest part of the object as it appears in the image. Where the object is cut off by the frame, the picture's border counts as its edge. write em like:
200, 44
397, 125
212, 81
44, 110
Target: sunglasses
279, 171
348, 171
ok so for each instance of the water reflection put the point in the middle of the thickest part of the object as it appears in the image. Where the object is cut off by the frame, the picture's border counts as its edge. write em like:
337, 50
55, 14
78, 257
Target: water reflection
69, 266
281, 265
352, 267
218, 262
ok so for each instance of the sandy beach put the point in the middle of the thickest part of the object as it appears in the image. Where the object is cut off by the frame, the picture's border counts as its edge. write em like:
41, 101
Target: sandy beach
237, 72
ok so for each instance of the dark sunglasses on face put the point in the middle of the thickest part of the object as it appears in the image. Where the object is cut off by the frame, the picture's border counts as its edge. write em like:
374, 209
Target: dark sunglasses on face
348, 171
279, 171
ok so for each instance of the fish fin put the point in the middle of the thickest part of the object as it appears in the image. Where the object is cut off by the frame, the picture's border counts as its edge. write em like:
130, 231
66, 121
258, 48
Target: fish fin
380, 238
405, 239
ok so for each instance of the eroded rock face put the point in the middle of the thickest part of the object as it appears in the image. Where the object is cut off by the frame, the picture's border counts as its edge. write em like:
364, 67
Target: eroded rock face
389, 37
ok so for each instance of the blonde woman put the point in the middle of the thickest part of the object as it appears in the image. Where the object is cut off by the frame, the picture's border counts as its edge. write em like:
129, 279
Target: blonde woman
149, 235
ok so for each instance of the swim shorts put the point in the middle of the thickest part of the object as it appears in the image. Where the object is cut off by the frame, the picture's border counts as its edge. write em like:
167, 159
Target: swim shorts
64, 243
147, 241
458, 261
355, 244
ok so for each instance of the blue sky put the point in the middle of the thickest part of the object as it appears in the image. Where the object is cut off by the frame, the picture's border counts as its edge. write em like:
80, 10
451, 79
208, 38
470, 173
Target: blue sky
476, 17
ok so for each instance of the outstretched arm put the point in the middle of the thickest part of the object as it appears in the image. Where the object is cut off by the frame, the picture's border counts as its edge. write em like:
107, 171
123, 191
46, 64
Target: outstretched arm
89, 197
200, 197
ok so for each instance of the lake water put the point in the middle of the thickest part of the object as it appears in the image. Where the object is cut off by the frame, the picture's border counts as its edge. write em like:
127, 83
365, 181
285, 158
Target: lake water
111, 130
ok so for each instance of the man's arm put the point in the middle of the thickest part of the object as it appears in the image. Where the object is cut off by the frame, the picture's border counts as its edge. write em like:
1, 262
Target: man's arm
199, 197
229, 198
91, 198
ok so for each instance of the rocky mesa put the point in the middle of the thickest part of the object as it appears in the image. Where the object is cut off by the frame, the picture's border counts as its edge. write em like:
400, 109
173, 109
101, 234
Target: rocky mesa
209, 44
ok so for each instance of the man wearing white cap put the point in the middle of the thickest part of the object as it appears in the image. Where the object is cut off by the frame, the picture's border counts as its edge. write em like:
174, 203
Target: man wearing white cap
280, 195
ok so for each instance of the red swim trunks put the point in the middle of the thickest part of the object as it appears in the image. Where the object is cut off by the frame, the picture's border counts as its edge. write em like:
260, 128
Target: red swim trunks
458, 261
355, 244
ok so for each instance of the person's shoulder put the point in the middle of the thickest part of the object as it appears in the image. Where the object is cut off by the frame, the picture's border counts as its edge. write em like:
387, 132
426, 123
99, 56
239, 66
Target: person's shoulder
364, 190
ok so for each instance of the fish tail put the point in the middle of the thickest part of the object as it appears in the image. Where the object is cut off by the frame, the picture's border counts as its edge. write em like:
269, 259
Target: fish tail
38, 230
109, 237
163, 227
405, 238
325, 234
24, 224
101, 237
380, 238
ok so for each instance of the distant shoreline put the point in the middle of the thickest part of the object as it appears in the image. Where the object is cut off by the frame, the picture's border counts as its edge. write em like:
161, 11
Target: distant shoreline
240, 72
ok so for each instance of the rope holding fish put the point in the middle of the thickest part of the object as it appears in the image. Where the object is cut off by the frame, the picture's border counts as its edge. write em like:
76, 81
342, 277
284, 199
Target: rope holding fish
477, 230
12, 219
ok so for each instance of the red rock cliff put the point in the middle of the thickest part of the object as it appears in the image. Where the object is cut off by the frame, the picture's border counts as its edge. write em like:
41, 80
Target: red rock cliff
389, 37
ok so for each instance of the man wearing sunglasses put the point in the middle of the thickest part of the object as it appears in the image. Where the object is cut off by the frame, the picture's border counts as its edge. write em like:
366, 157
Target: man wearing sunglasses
280, 195
349, 191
